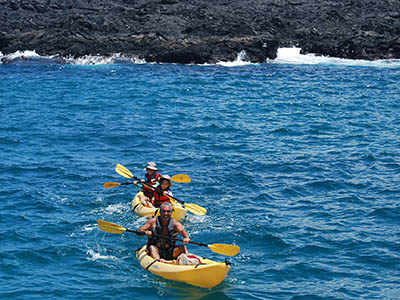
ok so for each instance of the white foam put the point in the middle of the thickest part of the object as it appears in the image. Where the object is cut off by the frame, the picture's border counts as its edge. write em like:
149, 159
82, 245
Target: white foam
103, 60
96, 256
84, 60
293, 56
240, 60
115, 208
89, 227
22, 54
284, 56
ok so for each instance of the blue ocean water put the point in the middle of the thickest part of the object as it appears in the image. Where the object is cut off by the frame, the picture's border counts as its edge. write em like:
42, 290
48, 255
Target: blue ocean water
298, 164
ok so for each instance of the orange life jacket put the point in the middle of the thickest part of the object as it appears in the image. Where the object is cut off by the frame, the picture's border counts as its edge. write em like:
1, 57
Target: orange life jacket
160, 198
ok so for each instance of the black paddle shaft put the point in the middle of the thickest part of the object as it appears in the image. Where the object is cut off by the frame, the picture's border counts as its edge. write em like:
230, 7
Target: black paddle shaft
157, 189
165, 237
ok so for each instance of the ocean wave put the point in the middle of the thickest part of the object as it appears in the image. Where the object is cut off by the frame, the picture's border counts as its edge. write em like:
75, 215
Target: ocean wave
284, 56
241, 60
21, 57
104, 60
293, 56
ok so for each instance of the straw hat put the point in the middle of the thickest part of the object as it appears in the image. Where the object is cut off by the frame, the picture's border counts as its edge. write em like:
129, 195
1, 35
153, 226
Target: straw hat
167, 177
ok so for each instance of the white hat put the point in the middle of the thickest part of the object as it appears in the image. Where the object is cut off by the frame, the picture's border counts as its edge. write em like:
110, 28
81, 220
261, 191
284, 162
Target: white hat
167, 177
151, 165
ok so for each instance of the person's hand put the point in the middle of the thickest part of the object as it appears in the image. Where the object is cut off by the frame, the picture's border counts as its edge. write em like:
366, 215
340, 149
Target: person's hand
148, 234
186, 240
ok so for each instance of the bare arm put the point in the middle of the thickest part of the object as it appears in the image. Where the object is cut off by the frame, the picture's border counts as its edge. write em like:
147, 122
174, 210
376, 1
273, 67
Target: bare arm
146, 228
179, 228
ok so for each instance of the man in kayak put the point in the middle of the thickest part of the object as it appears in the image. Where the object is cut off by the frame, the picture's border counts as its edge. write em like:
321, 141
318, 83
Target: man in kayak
152, 178
164, 225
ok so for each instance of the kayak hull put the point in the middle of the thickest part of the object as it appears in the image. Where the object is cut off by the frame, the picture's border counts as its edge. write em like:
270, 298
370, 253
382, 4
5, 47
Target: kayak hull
178, 214
206, 275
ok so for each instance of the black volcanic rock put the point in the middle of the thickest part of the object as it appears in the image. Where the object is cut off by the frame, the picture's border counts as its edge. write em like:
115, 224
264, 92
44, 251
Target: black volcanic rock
200, 31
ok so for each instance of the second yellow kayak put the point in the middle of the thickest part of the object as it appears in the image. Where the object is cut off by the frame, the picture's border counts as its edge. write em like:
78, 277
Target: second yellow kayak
150, 212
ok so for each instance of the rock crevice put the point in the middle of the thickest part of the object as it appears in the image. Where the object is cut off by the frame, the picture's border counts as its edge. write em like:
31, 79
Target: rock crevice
200, 31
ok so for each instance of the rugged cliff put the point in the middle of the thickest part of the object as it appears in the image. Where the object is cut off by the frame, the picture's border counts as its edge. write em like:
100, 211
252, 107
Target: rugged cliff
199, 31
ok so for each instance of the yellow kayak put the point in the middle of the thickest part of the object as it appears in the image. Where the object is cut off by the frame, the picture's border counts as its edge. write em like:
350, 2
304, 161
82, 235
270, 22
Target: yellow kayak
141, 210
206, 275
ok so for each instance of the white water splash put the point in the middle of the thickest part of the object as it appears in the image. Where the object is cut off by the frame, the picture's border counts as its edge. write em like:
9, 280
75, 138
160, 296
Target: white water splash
197, 219
111, 209
284, 56
19, 55
89, 227
96, 256
293, 56
84, 60
241, 60
23, 54
103, 60
115, 208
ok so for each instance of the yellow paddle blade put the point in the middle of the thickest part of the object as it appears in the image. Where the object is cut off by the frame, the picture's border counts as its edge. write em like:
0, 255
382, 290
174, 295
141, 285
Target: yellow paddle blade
109, 185
121, 170
184, 178
195, 209
110, 227
230, 250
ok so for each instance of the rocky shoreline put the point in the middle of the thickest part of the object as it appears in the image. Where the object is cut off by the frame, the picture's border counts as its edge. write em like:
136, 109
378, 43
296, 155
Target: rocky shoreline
200, 31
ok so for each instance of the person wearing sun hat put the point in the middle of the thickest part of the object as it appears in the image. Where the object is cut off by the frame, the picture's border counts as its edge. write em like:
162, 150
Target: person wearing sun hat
160, 195
151, 175
151, 165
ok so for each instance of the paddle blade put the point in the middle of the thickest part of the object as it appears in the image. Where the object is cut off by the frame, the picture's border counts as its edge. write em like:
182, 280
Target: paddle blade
110, 227
230, 250
196, 209
181, 178
121, 170
109, 185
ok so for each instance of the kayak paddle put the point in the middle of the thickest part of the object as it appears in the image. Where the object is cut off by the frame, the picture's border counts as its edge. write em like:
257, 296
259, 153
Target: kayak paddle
193, 208
224, 249
183, 178
109, 185
123, 171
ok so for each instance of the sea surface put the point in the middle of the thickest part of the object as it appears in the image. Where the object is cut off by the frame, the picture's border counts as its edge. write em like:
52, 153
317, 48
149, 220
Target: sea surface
296, 160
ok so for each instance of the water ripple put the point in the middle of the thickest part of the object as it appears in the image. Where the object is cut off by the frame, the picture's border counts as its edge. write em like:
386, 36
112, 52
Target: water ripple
298, 165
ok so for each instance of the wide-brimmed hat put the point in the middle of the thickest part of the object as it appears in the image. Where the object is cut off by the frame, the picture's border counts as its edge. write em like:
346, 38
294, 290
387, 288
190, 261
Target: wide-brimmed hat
167, 177
151, 165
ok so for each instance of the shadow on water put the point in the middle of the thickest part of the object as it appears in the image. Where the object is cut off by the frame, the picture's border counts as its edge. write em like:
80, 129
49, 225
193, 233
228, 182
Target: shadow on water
183, 291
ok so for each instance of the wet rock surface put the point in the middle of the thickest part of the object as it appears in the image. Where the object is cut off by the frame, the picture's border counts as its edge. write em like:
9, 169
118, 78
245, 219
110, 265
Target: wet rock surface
200, 31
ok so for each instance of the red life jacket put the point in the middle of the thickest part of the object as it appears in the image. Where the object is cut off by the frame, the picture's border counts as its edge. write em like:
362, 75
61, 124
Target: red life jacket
149, 180
160, 198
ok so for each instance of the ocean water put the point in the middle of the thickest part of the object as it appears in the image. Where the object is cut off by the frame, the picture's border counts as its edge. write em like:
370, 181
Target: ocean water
296, 160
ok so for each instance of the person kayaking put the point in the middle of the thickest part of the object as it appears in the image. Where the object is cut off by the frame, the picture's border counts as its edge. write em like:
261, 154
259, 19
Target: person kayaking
161, 193
152, 179
164, 225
